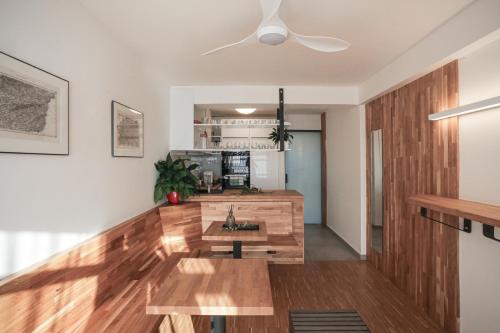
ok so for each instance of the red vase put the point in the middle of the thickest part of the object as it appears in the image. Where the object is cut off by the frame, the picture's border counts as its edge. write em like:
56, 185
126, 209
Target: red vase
173, 198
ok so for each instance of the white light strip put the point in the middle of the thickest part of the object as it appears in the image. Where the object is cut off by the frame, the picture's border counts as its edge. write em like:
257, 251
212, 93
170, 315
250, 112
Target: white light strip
469, 108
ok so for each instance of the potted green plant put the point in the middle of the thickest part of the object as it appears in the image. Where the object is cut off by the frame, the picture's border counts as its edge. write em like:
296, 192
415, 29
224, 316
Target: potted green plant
275, 136
175, 180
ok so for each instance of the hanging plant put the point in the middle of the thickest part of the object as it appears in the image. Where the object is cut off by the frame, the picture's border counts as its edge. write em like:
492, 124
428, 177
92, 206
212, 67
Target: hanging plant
275, 136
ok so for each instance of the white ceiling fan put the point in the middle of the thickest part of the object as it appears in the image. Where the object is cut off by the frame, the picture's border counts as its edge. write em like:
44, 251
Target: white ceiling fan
273, 31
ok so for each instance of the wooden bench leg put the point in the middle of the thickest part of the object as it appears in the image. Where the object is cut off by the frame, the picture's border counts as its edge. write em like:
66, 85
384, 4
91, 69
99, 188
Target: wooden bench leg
218, 324
177, 324
237, 249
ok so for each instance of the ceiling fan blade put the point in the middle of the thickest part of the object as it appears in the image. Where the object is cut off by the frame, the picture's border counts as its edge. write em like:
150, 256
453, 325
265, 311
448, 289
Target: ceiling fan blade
250, 39
320, 43
269, 8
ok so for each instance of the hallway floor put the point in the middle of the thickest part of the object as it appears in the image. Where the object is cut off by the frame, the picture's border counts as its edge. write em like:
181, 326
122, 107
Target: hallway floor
321, 243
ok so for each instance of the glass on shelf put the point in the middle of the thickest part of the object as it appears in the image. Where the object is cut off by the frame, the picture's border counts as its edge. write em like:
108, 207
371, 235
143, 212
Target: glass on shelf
240, 122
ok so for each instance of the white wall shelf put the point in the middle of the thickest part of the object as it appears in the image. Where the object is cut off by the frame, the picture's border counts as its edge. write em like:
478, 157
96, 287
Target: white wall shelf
236, 134
214, 150
241, 125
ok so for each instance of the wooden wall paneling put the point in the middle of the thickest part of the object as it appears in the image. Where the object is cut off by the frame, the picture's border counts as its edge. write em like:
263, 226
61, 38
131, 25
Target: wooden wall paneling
182, 228
379, 116
277, 215
298, 225
420, 157
102, 284
284, 218
80, 280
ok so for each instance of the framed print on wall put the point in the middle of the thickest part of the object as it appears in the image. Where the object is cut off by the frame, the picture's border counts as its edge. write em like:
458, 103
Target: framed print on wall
34, 109
127, 131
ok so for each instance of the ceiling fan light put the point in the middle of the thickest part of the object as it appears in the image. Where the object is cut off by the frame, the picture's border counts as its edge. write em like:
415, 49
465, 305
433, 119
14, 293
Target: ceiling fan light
272, 35
272, 39
246, 110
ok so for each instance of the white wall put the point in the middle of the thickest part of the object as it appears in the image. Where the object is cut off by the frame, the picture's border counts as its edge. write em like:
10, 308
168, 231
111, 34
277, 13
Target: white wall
480, 181
314, 95
50, 203
345, 164
181, 118
473, 27
309, 122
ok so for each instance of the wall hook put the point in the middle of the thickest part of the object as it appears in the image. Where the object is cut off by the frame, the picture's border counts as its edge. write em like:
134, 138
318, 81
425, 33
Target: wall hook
489, 231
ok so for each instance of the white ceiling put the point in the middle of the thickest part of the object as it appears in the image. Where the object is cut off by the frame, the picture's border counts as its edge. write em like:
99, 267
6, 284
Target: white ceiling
175, 32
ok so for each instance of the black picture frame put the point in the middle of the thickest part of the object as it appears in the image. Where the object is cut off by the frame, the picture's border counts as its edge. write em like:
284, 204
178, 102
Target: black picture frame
63, 81
114, 150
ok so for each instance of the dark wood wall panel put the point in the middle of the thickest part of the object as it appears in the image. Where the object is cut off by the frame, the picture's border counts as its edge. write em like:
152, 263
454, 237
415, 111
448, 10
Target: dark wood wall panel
420, 157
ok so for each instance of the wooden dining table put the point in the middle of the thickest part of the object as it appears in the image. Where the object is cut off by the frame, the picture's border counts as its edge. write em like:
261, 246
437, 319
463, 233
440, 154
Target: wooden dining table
216, 288
216, 232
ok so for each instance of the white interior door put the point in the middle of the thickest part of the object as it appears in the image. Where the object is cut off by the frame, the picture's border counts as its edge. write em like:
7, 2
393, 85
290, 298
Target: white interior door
303, 169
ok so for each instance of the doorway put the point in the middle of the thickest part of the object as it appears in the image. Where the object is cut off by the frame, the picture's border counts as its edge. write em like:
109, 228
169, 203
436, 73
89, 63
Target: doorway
303, 172
303, 167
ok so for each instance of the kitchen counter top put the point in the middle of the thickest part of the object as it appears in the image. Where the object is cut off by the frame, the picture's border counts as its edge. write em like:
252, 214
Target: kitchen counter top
235, 195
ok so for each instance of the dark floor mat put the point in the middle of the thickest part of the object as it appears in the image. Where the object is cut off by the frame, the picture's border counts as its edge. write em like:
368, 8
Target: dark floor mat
335, 321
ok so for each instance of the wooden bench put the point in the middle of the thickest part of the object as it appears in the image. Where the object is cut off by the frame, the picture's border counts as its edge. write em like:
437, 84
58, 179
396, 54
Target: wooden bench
274, 242
277, 249
125, 312
103, 284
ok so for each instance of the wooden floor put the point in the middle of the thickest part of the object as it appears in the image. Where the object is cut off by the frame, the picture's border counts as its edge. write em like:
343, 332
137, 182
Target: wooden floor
334, 285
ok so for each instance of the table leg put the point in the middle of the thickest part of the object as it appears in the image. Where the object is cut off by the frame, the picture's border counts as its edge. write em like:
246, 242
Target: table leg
218, 324
237, 249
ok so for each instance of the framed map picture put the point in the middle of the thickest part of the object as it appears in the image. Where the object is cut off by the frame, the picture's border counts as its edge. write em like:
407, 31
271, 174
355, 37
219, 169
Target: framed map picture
34, 109
127, 131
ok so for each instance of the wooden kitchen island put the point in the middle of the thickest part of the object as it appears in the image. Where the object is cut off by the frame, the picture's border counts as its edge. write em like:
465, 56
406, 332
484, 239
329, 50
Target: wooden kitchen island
281, 210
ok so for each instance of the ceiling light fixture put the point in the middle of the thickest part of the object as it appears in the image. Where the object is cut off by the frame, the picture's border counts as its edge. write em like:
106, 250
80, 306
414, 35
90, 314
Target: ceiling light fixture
273, 31
246, 110
465, 109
